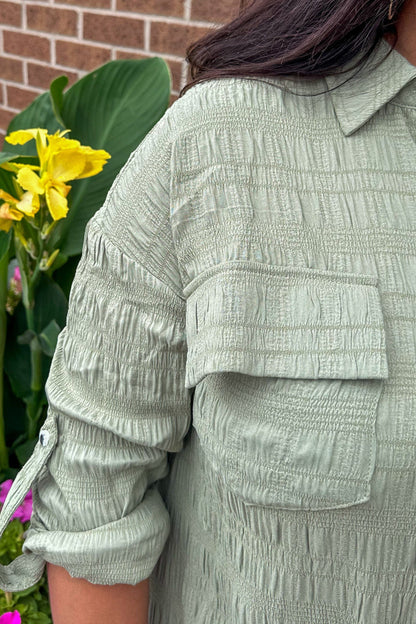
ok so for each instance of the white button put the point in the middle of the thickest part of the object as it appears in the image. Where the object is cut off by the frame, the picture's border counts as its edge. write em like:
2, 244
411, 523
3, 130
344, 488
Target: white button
44, 437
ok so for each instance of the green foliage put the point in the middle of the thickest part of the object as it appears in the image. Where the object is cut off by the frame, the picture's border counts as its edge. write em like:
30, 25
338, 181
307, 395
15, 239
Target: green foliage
32, 603
112, 108
11, 542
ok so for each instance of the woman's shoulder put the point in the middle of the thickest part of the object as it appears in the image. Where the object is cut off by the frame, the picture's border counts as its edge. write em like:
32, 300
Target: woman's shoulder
215, 120
256, 103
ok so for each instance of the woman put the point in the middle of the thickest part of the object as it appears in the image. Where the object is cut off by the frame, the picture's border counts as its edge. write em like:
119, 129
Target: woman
246, 296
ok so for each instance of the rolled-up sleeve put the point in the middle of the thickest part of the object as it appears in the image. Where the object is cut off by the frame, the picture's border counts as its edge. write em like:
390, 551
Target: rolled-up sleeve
117, 403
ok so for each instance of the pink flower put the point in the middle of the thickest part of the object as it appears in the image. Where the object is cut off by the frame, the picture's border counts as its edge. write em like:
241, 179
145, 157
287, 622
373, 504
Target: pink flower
11, 617
4, 489
16, 274
24, 511
16, 282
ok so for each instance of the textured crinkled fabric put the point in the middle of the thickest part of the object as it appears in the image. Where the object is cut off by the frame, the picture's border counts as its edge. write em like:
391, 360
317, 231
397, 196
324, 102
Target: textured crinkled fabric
232, 402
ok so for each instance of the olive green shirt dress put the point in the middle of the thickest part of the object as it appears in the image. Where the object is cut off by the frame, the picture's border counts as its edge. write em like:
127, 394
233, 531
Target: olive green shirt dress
232, 402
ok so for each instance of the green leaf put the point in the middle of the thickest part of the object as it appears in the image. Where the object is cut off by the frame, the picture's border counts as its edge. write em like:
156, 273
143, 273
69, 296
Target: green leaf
26, 592
7, 156
6, 181
25, 450
39, 114
48, 337
9, 166
50, 303
112, 108
17, 357
56, 89
5, 240
11, 541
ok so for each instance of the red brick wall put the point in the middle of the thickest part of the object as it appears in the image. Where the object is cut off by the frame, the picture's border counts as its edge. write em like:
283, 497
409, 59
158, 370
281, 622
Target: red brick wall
42, 39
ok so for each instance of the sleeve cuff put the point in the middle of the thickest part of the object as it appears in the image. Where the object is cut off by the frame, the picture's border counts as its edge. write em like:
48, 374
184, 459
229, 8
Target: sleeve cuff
124, 551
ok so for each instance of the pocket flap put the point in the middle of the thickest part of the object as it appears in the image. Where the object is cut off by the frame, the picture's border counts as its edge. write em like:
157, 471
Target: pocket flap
278, 321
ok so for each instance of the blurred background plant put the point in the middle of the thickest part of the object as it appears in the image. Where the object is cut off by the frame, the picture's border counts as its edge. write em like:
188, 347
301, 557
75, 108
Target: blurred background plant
31, 605
63, 136
33, 213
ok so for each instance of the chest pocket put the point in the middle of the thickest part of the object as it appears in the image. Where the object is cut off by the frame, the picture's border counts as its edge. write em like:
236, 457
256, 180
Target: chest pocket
288, 366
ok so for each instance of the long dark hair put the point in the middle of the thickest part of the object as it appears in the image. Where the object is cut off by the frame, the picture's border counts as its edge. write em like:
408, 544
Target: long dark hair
297, 38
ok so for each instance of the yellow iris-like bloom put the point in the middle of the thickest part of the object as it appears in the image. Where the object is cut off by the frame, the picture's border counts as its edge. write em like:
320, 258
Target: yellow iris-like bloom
61, 160
15, 209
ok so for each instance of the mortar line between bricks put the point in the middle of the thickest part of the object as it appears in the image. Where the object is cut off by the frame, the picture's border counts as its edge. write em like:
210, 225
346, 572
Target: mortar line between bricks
24, 16
168, 57
25, 72
4, 90
138, 15
164, 55
8, 109
80, 25
47, 35
147, 35
11, 83
19, 85
53, 51
187, 10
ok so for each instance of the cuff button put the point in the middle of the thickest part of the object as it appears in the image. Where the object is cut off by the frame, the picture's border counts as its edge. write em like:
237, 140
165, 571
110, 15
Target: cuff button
44, 437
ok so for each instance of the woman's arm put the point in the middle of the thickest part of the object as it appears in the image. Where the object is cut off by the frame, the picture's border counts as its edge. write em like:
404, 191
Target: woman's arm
77, 600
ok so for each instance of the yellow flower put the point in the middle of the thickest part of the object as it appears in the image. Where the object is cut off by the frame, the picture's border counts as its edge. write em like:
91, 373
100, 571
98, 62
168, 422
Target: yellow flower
15, 209
20, 137
61, 160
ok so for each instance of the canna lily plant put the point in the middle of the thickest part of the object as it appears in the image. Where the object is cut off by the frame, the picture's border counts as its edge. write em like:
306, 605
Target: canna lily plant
60, 160
32, 212
55, 172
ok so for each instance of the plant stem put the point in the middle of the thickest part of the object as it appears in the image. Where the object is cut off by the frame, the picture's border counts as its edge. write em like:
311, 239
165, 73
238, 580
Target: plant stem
34, 404
36, 376
4, 456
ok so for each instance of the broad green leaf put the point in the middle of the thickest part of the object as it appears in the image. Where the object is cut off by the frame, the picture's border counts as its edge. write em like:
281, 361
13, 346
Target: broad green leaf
56, 89
39, 114
6, 157
112, 108
50, 304
17, 357
6, 181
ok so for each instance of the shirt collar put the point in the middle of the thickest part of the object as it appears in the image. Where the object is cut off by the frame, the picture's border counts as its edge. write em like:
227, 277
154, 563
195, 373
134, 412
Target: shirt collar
362, 96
